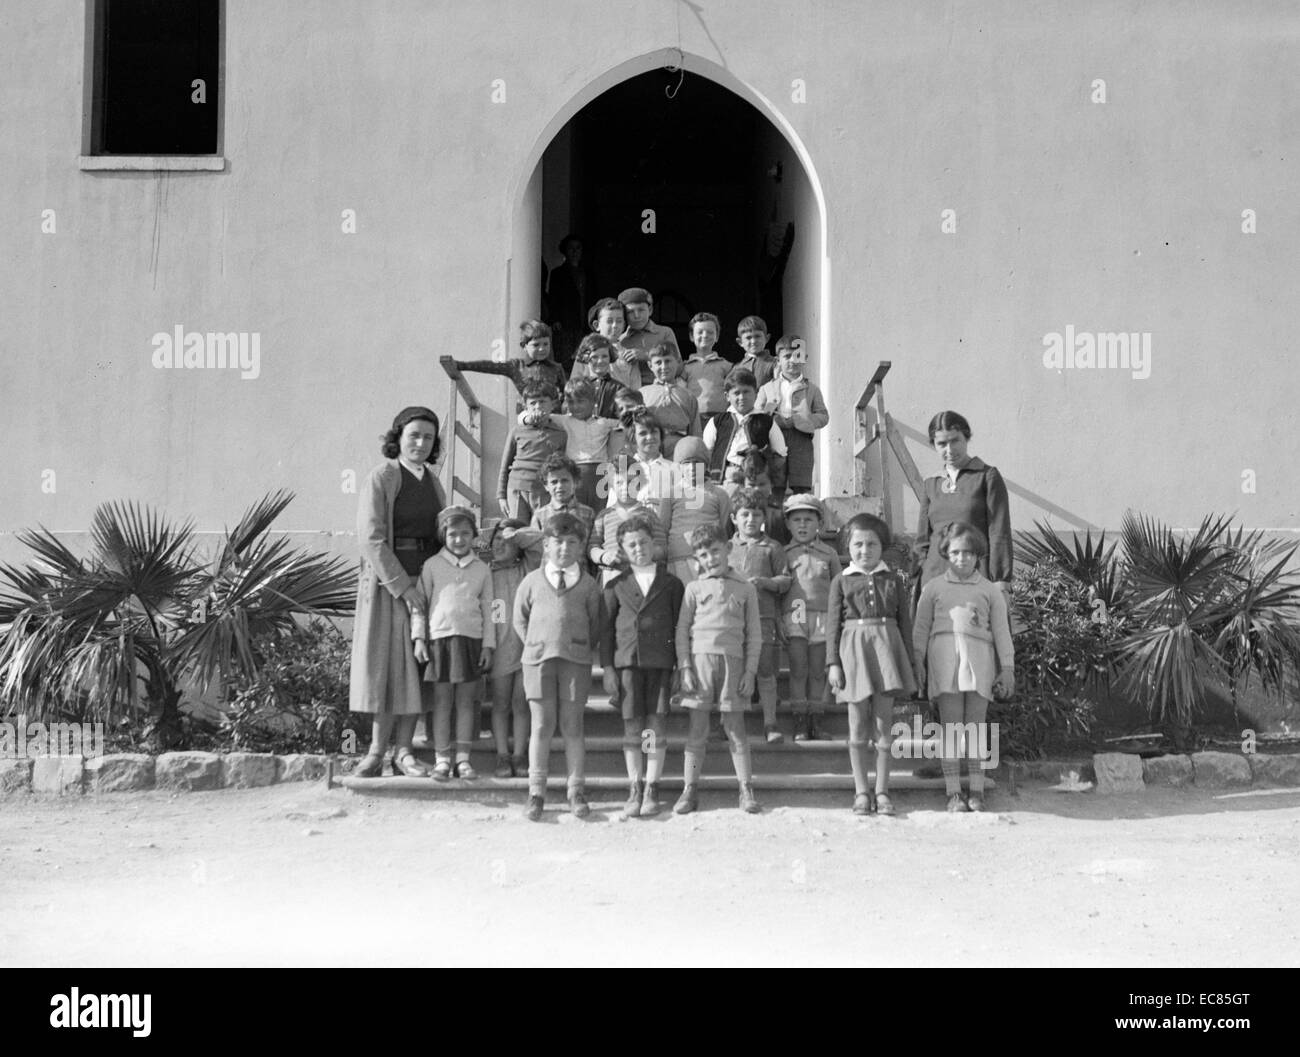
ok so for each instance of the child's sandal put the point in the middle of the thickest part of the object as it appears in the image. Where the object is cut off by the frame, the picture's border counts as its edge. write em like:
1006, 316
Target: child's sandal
503, 769
883, 804
371, 766
442, 770
405, 763
862, 804
466, 771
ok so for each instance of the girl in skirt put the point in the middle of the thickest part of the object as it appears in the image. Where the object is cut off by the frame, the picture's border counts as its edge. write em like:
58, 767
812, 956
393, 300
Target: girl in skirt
964, 634
869, 650
453, 632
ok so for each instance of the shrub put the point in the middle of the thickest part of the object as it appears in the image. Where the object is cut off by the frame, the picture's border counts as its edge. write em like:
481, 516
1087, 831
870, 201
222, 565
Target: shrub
1062, 647
298, 700
115, 635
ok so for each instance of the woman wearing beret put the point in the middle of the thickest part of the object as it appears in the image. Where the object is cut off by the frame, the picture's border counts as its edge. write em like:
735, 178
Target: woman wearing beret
397, 530
968, 490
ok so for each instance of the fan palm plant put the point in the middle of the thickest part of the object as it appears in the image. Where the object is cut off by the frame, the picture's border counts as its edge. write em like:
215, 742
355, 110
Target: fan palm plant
1212, 608
114, 636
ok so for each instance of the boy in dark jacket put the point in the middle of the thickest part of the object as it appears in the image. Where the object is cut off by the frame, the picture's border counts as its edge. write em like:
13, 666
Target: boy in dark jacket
642, 605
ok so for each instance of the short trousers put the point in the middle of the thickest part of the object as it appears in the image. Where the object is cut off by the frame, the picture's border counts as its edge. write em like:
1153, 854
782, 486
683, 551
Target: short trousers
718, 677
557, 681
812, 627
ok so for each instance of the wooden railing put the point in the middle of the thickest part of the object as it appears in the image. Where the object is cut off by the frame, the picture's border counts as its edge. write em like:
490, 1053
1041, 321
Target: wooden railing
866, 434
464, 442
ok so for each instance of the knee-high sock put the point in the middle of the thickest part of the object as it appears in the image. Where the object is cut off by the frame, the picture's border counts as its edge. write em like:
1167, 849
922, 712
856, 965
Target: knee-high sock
858, 762
693, 764
883, 754
655, 762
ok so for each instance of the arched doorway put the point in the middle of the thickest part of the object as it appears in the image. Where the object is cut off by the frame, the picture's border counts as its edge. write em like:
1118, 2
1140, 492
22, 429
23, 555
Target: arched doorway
727, 180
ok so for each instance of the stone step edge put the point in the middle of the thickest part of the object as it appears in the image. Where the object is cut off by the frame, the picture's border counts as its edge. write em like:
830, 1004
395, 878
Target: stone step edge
676, 743
710, 782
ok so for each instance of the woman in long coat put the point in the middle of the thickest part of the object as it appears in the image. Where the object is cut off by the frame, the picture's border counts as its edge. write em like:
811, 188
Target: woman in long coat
397, 530
968, 490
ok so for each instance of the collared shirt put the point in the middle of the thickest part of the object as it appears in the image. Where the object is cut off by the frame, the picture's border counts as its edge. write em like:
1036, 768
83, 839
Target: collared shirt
881, 567
660, 480
571, 574
460, 563
787, 387
645, 576
705, 376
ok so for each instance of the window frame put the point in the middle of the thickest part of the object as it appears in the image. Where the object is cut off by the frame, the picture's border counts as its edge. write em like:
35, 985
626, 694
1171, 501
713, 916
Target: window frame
92, 157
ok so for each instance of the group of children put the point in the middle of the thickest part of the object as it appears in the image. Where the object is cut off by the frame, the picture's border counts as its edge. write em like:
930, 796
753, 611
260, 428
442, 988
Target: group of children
641, 542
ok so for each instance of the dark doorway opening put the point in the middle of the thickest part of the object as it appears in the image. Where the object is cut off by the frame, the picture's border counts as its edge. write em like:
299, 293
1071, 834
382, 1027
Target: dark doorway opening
707, 164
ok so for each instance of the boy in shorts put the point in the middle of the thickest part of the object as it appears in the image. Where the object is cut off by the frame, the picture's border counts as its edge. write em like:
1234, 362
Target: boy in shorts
719, 638
558, 616
638, 654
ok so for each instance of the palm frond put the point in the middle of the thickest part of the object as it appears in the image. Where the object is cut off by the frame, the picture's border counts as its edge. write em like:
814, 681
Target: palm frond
1170, 668
1090, 563
255, 523
1173, 575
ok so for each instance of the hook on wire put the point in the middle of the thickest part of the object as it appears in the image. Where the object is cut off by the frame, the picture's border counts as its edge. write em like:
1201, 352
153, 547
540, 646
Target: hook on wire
679, 69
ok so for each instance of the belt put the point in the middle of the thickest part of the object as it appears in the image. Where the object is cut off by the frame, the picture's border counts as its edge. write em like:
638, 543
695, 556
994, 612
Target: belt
413, 543
862, 622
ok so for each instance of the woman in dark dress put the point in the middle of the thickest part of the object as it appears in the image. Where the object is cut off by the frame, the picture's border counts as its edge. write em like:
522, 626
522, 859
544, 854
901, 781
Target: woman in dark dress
968, 490
397, 530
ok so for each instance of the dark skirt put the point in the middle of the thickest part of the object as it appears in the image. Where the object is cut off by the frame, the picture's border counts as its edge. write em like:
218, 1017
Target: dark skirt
453, 659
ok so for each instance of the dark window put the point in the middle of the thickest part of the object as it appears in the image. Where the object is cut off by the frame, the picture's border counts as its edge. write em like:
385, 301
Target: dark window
148, 54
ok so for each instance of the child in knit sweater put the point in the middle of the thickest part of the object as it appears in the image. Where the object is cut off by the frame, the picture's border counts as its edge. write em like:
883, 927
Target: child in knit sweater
606, 554
758, 558
695, 502
719, 638
963, 632
813, 565
559, 474
519, 484
676, 410
706, 372
454, 634
560, 618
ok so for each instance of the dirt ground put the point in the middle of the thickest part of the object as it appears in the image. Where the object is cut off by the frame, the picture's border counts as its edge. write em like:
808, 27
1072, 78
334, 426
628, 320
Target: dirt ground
297, 875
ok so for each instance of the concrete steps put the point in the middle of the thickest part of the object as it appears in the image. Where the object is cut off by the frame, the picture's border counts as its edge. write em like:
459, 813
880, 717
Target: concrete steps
790, 765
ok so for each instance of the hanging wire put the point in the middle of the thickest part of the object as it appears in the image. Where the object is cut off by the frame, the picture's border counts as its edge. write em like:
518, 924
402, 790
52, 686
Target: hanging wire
680, 69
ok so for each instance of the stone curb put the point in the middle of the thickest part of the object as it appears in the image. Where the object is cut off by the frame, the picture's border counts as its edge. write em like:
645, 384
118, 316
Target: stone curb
178, 772
1121, 772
